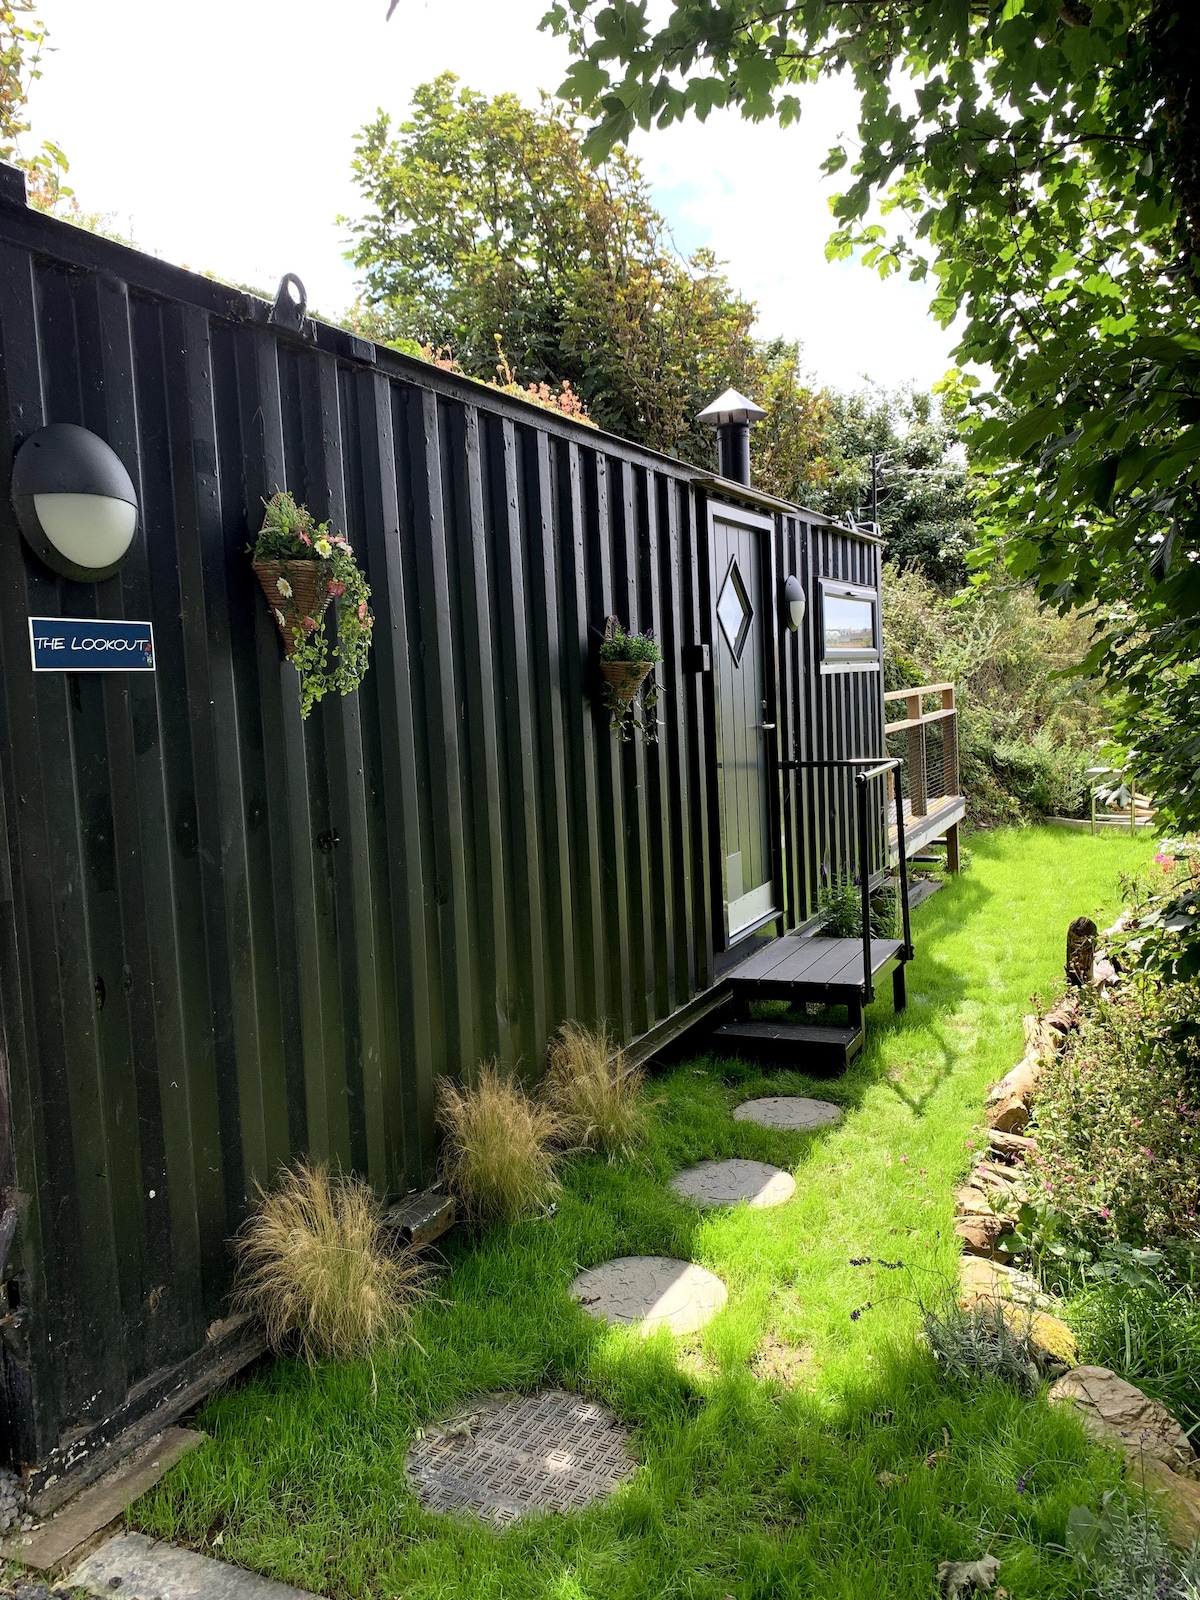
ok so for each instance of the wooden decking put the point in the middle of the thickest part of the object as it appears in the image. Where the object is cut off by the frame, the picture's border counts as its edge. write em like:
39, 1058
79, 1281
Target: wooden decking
947, 811
792, 965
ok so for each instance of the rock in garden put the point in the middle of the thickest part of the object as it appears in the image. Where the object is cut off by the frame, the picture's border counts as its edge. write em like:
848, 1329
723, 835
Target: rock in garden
1008, 1115
12, 1500
1176, 1498
1064, 1016
1010, 1146
1054, 1345
981, 1234
980, 1279
1118, 1413
1103, 972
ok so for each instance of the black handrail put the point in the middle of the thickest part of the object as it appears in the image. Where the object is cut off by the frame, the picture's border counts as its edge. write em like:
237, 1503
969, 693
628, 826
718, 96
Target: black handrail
866, 768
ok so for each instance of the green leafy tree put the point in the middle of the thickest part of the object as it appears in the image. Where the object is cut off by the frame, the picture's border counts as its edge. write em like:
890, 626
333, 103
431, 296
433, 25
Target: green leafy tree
22, 42
921, 491
488, 236
1042, 160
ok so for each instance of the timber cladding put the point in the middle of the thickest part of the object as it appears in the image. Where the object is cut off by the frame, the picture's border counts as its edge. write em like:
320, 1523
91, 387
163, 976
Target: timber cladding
227, 935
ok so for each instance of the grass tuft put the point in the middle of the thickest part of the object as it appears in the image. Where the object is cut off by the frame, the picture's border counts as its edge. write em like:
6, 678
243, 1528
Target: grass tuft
594, 1096
315, 1267
496, 1156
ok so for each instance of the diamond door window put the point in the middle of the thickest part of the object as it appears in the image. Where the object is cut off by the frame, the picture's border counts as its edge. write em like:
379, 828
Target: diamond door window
735, 612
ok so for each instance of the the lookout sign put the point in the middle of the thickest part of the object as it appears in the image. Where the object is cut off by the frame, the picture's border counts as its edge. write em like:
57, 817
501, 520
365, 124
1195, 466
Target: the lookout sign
69, 644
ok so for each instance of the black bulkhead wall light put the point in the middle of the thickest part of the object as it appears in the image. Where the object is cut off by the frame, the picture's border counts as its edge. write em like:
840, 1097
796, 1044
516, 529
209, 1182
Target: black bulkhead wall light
794, 603
75, 502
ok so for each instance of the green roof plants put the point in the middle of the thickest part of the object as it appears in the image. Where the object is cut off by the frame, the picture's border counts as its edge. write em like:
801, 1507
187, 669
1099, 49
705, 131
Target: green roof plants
627, 662
302, 566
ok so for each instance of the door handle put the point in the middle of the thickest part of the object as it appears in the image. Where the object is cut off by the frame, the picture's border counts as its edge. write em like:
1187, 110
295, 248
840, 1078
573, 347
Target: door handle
767, 727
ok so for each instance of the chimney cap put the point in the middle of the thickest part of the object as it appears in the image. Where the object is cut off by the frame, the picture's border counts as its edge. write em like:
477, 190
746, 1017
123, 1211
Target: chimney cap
731, 407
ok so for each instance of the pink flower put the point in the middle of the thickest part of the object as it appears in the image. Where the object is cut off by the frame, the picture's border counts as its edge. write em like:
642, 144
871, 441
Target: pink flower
304, 539
335, 586
1105, 1212
362, 611
309, 625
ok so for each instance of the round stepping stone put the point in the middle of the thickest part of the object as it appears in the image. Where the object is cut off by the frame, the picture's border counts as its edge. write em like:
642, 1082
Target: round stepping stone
508, 1455
793, 1112
727, 1183
653, 1291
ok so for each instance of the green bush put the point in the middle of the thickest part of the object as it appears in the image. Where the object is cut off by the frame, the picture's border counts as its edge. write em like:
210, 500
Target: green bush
839, 906
1027, 731
1118, 1120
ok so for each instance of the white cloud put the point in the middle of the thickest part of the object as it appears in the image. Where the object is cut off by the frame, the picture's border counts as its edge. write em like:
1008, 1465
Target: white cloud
221, 137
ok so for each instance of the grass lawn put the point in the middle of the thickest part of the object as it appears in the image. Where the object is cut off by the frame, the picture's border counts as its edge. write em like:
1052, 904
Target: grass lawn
793, 1448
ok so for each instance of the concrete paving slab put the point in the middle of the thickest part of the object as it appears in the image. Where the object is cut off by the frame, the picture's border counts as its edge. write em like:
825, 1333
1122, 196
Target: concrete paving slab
133, 1567
794, 1113
506, 1456
652, 1291
46, 1548
728, 1183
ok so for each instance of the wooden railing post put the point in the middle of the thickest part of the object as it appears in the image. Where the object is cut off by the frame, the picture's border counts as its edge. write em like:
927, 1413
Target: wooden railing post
950, 741
918, 782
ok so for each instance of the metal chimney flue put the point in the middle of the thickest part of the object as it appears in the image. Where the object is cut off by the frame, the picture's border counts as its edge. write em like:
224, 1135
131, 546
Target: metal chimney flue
731, 414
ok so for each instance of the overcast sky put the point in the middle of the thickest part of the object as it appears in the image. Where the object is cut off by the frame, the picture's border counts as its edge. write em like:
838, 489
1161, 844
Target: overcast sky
220, 136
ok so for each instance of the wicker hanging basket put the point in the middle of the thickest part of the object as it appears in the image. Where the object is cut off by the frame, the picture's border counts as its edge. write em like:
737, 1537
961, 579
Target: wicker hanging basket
624, 679
309, 596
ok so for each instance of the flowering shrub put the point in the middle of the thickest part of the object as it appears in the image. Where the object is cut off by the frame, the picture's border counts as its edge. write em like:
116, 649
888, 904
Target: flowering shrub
1161, 931
1118, 1120
291, 533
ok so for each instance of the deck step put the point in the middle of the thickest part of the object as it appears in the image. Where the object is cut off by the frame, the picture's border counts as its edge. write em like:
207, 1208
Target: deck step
804, 1042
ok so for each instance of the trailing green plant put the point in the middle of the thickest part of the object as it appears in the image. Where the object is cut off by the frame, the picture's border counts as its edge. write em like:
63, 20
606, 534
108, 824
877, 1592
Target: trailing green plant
316, 1267
497, 1149
594, 1095
290, 532
622, 648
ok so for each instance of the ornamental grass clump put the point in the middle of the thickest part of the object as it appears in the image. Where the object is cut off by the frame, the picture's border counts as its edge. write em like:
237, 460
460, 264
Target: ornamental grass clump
315, 1267
593, 1094
497, 1154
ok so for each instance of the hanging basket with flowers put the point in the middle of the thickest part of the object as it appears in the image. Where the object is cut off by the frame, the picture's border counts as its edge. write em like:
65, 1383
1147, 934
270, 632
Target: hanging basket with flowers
627, 661
302, 567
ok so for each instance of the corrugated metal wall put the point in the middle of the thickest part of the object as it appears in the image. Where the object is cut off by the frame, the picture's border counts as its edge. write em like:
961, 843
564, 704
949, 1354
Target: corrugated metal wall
227, 935
833, 715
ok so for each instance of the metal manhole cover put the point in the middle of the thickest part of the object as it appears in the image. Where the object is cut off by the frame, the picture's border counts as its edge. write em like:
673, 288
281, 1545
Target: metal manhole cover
506, 1456
792, 1112
652, 1291
729, 1183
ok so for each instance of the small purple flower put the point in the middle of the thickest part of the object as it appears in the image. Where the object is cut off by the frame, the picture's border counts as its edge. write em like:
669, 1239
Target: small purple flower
860, 1261
854, 1315
1023, 1480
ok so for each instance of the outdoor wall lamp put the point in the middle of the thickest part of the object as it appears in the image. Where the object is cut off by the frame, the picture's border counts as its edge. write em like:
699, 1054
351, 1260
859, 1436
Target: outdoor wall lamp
75, 502
793, 599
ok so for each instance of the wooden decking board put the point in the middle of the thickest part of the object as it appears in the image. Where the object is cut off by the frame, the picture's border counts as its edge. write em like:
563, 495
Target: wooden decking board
814, 961
788, 1033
